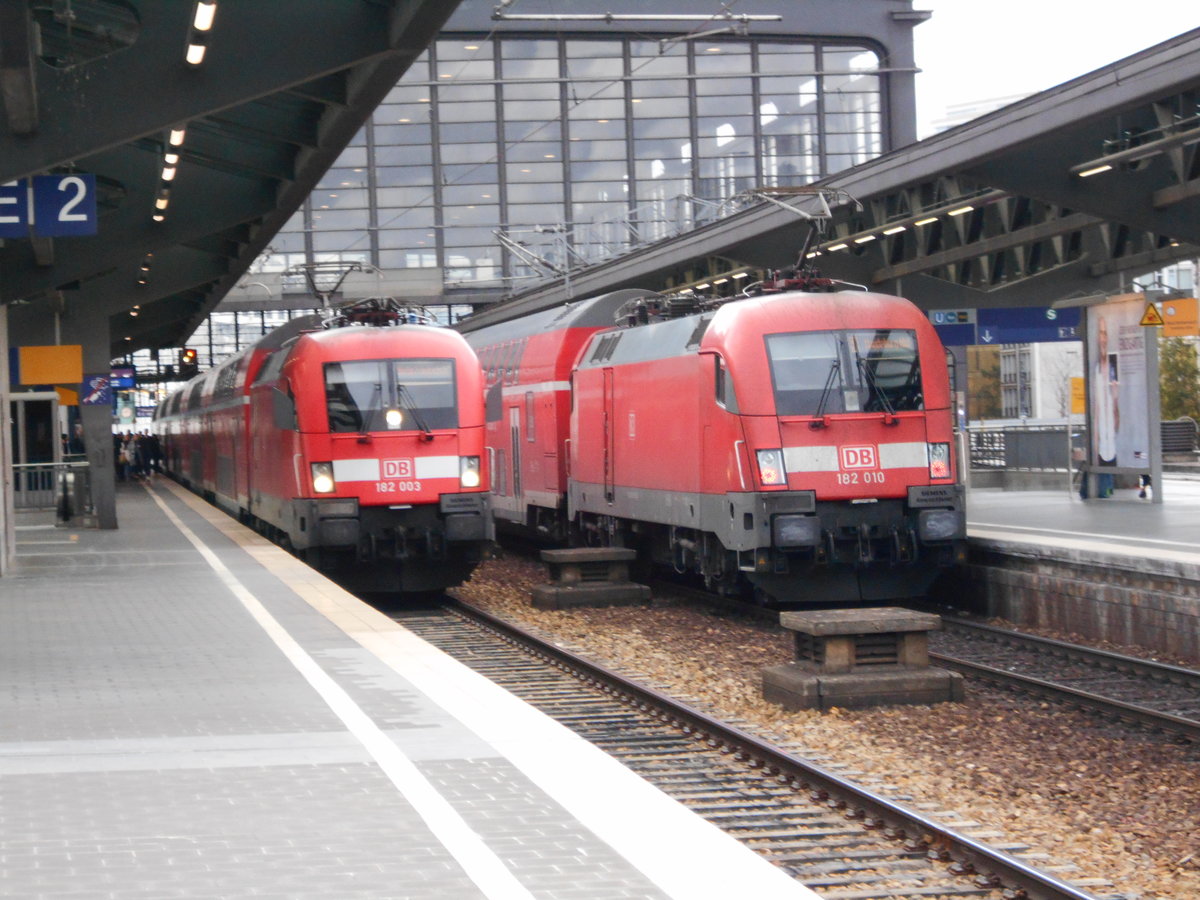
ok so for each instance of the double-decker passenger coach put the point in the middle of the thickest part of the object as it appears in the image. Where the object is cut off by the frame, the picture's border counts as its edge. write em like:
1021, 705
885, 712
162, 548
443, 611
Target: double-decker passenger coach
355, 440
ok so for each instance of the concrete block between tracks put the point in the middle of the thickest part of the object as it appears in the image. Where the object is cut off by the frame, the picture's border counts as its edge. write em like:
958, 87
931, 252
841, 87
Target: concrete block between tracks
571, 596
795, 687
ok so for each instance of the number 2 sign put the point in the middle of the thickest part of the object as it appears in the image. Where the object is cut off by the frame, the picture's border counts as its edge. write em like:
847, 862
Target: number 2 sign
56, 206
64, 205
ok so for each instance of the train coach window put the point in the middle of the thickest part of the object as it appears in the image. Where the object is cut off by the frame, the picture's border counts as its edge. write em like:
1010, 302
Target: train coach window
271, 367
283, 409
817, 373
724, 387
359, 393
193, 397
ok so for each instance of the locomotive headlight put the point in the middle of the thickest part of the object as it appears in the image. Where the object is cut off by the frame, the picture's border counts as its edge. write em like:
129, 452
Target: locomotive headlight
322, 478
770, 467
393, 417
468, 471
939, 460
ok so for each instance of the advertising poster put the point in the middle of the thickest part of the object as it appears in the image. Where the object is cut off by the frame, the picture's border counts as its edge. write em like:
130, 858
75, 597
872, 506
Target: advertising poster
1116, 381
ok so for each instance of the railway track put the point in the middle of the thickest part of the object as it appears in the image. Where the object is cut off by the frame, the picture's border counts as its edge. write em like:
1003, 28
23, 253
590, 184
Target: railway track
1130, 689
1144, 692
841, 840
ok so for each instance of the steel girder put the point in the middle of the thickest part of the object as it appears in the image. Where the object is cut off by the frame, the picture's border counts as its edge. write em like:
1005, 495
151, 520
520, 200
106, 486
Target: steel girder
96, 85
1037, 232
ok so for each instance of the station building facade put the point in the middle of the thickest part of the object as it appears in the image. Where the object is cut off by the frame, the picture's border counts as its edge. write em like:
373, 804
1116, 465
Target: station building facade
579, 130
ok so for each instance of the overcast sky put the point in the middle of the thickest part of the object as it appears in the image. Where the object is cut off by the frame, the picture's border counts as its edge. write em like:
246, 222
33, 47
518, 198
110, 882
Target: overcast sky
975, 50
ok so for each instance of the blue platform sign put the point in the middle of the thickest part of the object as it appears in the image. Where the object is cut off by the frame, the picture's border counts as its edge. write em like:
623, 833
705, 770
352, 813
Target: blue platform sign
1027, 325
14, 210
956, 327
1005, 325
124, 377
64, 205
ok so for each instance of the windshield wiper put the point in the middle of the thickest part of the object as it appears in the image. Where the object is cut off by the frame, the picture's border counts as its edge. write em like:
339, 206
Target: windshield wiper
869, 377
365, 414
406, 398
835, 369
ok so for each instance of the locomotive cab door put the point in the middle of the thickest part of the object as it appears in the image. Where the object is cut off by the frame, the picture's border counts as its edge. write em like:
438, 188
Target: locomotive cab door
609, 443
514, 429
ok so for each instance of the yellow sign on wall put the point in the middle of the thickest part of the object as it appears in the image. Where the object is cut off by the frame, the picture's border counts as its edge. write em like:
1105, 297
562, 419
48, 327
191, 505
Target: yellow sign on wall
1078, 398
50, 365
1181, 317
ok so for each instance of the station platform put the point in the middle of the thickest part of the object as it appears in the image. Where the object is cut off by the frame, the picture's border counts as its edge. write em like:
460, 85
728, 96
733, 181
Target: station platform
190, 712
1123, 524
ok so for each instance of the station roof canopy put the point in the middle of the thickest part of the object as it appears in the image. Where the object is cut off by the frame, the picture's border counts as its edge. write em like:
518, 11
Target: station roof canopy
1064, 193
98, 86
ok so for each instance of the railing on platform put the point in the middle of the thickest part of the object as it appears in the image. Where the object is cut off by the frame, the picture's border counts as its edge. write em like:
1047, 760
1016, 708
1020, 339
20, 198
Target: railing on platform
65, 487
1032, 456
1036, 448
1179, 435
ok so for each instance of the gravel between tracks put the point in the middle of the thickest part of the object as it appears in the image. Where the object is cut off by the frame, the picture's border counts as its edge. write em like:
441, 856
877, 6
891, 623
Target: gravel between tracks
1119, 807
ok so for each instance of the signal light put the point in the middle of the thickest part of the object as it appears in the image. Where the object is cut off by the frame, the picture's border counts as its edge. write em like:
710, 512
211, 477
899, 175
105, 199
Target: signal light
188, 363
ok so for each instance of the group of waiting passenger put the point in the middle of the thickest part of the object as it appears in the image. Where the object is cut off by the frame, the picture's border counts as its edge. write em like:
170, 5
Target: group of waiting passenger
136, 456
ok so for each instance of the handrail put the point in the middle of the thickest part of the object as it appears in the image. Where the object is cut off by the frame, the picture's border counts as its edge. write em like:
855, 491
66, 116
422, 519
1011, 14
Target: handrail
64, 486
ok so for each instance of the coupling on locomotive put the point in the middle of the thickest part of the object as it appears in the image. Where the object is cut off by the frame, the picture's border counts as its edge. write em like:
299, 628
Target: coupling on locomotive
355, 439
794, 443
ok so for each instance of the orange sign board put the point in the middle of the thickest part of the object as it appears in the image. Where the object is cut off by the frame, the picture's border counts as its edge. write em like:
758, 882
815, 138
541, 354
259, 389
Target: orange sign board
1078, 398
1181, 317
50, 365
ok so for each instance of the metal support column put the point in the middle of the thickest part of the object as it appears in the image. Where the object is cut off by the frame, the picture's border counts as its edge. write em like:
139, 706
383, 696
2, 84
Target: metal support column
8, 532
93, 334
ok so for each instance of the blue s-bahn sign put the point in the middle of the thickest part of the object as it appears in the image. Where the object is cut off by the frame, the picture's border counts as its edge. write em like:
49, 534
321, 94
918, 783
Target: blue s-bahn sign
1006, 325
52, 205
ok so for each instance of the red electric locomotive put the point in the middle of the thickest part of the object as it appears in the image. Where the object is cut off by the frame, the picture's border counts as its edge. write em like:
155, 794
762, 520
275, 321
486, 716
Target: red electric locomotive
354, 439
796, 442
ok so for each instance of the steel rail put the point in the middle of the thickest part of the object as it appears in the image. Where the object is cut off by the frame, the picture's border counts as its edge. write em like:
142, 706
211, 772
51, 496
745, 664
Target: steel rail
1149, 667
874, 810
1141, 715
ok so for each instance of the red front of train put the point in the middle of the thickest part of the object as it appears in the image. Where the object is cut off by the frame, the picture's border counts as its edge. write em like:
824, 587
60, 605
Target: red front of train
802, 442
359, 446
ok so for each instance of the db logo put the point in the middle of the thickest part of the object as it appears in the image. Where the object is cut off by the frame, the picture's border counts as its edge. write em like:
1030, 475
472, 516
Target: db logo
397, 468
865, 457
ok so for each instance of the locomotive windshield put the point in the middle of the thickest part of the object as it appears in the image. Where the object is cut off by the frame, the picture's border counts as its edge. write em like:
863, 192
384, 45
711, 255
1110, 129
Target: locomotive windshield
820, 372
360, 395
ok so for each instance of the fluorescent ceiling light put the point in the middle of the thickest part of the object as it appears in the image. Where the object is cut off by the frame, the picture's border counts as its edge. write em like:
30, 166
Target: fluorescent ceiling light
841, 246
1095, 170
960, 211
865, 239
195, 54
928, 221
895, 229
205, 12
176, 138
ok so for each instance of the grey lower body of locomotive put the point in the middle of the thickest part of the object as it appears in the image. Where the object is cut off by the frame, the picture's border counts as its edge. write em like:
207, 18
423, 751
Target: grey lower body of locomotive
789, 546
371, 548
